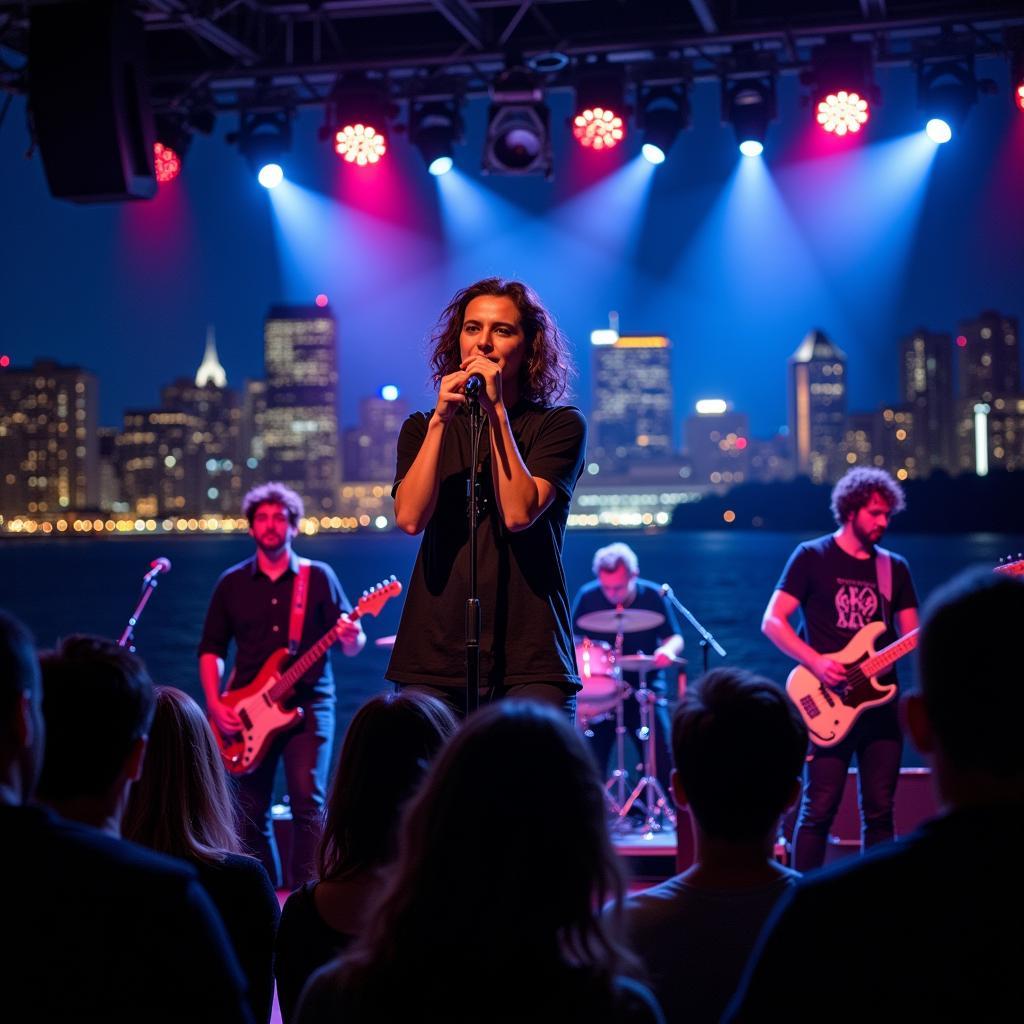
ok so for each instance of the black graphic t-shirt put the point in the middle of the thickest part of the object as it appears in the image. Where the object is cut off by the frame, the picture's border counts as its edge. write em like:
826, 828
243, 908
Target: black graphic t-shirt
525, 633
839, 594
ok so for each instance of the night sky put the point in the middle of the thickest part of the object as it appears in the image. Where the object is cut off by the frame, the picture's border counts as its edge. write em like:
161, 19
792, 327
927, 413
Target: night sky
735, 260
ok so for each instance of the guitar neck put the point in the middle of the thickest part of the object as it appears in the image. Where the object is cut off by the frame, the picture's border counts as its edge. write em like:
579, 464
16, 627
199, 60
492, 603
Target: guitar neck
284, 686
879, 662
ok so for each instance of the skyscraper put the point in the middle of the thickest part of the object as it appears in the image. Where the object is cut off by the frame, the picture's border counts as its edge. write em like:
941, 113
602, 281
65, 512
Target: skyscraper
926, 388
300, 423
49, 447
989, 357
370, 447
631, 411
817, 406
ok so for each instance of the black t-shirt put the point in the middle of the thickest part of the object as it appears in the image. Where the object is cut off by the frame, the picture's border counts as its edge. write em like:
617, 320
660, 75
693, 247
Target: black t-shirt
839, 594
525, 635
253, 610
589, 598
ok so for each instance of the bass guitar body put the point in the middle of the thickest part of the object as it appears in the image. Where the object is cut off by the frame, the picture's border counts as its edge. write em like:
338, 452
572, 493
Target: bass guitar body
262, 717
829, 712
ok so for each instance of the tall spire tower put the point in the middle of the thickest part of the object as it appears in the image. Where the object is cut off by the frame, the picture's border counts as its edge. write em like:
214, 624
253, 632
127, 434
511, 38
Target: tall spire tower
210, 371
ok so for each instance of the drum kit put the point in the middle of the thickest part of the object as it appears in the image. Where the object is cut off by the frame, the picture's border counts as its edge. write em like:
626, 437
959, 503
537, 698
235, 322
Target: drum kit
605, 693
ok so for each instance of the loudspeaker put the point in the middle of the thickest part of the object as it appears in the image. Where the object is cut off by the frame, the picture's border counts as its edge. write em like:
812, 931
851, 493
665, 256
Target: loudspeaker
89, 101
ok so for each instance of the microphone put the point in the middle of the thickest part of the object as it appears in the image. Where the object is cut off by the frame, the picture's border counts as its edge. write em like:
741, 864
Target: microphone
157, 566
473, 386
666, 590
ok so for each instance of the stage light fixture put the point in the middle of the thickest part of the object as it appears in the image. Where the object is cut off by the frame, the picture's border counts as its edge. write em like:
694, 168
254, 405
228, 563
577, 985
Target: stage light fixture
434, 128
518, 126
663, 112
748, 104
946, 92
173, 138
357, 118
264, 139
1017, 78
841, 86
599, 121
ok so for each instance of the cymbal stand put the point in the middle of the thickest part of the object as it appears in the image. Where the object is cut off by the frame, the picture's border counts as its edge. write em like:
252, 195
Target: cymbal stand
656, 802
618, 777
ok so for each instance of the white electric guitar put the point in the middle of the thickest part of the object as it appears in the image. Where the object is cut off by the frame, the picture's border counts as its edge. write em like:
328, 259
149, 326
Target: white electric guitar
830, 711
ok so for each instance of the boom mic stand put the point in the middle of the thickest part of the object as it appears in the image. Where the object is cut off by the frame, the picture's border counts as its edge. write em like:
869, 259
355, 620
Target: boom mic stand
706, 639
149, 582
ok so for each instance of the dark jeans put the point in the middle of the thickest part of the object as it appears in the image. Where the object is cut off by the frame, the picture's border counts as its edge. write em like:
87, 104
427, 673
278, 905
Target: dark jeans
544, 693
878, 743
306, 752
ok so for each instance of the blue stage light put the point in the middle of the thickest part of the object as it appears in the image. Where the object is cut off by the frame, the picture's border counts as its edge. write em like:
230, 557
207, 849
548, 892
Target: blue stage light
751, 147
653, 154
270, 175
389, 392
442, 165
938, 130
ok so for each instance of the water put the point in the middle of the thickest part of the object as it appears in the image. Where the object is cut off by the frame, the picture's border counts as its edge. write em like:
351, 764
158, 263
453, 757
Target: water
725, 578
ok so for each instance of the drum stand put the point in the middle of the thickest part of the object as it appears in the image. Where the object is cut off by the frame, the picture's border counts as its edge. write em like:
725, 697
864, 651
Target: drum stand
617, 779
656, 802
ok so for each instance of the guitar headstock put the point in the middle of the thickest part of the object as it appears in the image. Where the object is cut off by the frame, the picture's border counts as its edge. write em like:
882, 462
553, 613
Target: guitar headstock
377, 596
1011, 566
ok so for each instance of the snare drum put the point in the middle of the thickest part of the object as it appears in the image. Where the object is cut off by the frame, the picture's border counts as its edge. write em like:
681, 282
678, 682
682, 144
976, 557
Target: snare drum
600, 693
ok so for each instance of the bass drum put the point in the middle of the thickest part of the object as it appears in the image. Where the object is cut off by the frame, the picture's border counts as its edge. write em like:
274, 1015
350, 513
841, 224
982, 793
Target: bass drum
596, 662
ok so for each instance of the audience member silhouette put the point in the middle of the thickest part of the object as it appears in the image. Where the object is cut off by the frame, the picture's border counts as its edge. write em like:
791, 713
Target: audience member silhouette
388, 745
181, 806
99, 929
928, 927
738, 746
492, 913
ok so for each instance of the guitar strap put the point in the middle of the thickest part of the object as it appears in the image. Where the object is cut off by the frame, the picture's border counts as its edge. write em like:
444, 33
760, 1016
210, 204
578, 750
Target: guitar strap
300, 591
883, 572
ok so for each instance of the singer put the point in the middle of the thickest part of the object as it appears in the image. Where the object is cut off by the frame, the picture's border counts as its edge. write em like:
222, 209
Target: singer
252, 604
530, 458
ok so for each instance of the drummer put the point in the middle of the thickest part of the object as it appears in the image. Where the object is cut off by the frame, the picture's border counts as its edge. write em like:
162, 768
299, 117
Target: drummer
618, 585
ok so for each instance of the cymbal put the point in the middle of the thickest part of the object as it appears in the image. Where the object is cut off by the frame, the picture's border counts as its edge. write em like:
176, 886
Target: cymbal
626, 620
641, 662
386, 641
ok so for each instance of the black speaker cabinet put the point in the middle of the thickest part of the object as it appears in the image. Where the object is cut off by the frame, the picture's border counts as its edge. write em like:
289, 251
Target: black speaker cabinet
89, 101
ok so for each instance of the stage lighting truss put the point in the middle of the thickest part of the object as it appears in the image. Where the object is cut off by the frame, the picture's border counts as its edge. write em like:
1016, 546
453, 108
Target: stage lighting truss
264, 140
946, 90
748, 104
663, 111
518, 126
434, 129
599, 121
841, 87
357, 124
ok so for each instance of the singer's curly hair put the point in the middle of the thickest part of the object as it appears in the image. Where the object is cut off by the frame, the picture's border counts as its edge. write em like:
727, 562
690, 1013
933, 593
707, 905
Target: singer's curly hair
547, 366
854, 490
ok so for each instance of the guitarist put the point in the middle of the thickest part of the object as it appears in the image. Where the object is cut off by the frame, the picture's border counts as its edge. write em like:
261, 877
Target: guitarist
252, 605
841, 583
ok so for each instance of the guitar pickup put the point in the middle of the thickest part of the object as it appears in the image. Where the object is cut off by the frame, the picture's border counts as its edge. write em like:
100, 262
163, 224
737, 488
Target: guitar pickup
244, 716
807, 703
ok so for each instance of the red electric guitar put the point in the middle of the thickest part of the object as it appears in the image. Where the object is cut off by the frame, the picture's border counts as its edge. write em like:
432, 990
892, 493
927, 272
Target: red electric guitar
259, 705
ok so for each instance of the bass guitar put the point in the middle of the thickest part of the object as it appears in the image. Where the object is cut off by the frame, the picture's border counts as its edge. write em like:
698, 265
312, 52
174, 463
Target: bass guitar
830, 711
260, 704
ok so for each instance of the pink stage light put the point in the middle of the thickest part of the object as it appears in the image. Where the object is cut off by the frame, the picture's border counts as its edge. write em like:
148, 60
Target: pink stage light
5, 361
598, 128
961, 341
360, 144
1018, 95
166, 162
321, 300
841, 112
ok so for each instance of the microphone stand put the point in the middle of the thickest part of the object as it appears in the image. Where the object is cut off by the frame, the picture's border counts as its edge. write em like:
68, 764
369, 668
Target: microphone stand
706, 639
149, 582
473, 601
